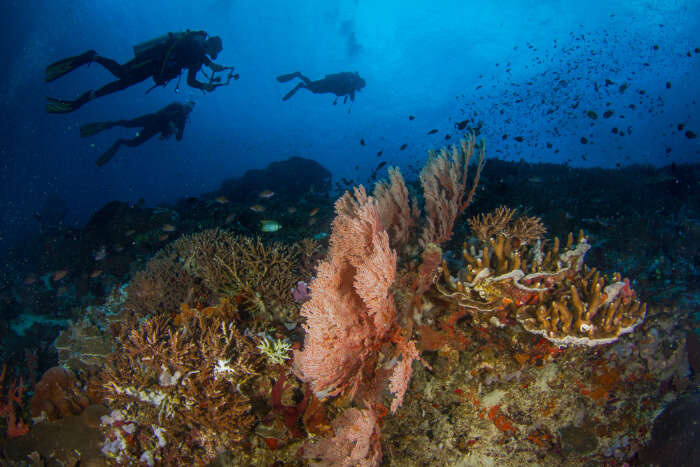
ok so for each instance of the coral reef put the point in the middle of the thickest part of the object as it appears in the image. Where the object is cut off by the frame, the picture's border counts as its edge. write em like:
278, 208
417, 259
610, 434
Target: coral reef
514, 274
8, 400
179, 394
256, 275
58, 394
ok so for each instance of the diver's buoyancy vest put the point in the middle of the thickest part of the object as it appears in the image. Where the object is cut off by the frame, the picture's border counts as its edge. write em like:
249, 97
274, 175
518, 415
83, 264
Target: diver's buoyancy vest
162, 49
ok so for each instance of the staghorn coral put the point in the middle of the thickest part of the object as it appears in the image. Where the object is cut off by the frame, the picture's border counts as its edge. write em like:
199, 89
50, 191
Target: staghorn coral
161, 286
500, 222
548, 291
256, 275
180, 394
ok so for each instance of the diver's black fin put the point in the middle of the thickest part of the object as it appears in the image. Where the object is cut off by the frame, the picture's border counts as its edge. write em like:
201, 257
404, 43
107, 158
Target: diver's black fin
90, 129
107, 155
288, 77
61, 67
60, 106
291, 93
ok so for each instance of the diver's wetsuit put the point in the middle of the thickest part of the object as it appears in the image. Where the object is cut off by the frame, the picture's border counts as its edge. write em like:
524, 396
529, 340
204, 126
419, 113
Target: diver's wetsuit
341, 84
168, 120
163, 60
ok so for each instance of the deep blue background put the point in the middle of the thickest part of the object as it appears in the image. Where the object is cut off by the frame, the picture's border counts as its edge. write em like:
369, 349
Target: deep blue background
524, 68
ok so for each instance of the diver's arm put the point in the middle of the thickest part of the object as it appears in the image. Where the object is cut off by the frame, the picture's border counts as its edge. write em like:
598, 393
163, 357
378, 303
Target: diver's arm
192, 80
214, 66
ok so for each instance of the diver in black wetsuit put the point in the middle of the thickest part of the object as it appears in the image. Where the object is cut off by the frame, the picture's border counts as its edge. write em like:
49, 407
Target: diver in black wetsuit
162, 58
340, 84
168, 120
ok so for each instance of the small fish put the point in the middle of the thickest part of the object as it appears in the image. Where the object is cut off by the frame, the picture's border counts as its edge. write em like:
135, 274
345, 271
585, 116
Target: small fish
100, 254
257, 208
96, 273
118, 248
433, 131
362, 141
312, 221
58, 275
291, 209
169, 228
269, 225
230, 218
313, 212
221, 199
379, 154
163, 237
380, 165
130, 232
403, 146
265, 194
411, 117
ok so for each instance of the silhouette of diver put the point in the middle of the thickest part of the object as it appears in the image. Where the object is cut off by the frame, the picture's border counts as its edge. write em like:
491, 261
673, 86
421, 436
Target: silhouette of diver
162, 58
168, 120
340, 84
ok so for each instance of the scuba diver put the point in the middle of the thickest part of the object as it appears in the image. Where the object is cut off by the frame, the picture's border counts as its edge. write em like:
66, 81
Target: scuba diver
168, 120
162, 58
340, 84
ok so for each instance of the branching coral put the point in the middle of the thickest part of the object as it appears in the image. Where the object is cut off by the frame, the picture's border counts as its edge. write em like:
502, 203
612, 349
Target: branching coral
547, 290
500, 222
256, 275
161, 286
182, 390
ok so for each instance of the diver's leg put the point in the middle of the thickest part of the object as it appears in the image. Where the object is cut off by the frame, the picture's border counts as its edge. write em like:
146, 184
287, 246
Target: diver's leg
90, 129
142, 121
143, 136
117, 69
62, 67
132, 77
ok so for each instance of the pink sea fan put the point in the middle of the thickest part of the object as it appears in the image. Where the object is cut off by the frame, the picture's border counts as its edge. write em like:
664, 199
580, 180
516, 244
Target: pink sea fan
356, 441
351, 310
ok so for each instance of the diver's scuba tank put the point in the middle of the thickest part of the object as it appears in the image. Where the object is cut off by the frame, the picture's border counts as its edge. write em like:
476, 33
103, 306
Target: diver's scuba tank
145, 48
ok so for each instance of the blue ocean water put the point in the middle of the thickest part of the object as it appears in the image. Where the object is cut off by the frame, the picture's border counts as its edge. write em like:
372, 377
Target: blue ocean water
589, 116
516, 69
